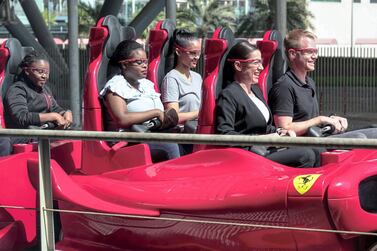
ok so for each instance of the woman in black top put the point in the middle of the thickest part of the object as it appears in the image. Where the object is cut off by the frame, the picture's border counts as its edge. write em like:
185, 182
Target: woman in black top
241, 109
29, 102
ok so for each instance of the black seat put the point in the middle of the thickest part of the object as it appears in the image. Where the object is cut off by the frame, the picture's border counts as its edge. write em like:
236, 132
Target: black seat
12, 53
117, 33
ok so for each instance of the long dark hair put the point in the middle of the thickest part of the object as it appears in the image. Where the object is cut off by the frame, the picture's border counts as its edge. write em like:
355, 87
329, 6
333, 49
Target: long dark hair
240, 50
182, 38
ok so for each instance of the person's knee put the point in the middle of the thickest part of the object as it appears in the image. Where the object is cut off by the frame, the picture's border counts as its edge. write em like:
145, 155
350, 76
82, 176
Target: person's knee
173, 151
5, 146
351, 134
308, 158
370, 133
164, 151
359, 135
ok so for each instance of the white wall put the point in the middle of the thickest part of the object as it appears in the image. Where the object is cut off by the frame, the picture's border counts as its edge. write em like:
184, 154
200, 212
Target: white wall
333, 20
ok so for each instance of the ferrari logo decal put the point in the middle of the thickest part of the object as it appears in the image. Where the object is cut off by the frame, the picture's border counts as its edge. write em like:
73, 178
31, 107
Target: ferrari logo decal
303, 183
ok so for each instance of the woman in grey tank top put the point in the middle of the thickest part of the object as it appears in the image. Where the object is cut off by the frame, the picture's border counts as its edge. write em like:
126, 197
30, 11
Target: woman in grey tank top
181, 88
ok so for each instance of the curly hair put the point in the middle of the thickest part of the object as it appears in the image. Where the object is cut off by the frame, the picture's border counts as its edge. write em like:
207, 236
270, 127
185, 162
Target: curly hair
31, 58
124, 51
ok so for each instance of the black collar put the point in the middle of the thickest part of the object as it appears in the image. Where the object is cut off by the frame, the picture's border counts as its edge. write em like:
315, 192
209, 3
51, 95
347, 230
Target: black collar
309, 83
297, 81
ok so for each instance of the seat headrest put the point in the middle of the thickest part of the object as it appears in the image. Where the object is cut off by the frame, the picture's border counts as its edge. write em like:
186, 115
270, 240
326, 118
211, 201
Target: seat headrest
279, 63
168, 50
128, 33
117, 33
223, 33
215, 52
161, 52
16, 54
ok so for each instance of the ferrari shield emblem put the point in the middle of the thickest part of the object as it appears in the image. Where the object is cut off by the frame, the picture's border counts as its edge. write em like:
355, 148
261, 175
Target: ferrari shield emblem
303, 183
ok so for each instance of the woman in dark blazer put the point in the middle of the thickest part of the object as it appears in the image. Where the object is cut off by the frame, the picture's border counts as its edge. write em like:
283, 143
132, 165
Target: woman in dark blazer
241, 109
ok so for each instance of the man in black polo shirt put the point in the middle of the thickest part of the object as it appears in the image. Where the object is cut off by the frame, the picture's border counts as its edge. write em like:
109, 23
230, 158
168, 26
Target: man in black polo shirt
293, 98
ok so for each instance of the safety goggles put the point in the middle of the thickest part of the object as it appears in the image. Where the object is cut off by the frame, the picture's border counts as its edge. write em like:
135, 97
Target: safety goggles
306, 51
190, 52
250, 60
136, 61
39, 71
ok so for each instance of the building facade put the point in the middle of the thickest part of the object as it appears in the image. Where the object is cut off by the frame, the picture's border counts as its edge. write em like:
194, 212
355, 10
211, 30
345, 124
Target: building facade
346, 21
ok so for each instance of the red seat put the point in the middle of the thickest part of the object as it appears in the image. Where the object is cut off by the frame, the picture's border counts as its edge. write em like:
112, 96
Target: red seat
274, 64
160, 53
11, 55
215, 51
98, 156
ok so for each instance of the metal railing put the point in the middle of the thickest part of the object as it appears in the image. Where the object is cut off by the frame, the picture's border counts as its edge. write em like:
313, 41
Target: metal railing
45, 191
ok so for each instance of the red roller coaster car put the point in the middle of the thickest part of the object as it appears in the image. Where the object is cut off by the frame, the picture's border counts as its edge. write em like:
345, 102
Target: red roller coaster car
213, 199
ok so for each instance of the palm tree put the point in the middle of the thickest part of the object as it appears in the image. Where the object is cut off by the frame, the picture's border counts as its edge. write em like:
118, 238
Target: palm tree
49, 17
262, 18
56, 3
204, 16
88, 15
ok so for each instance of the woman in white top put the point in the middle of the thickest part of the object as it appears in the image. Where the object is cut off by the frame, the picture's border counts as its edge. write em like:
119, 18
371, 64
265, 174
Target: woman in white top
130, 98
181, 88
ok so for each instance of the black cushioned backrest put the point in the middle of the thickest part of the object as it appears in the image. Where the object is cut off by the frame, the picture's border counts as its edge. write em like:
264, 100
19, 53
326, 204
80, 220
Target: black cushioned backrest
16, 54
227, 34
117, 33
278, 63
167, 53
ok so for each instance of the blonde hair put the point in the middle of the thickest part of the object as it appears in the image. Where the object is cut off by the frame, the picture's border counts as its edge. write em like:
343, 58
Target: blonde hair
292, 39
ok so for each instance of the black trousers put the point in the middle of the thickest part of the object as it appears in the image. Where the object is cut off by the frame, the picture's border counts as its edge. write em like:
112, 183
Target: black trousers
296, 157
5, 146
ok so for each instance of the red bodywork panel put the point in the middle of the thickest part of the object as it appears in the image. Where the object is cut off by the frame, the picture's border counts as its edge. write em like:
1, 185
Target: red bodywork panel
208, 186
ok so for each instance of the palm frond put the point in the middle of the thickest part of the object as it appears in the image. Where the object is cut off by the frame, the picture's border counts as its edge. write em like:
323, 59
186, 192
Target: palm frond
262, 19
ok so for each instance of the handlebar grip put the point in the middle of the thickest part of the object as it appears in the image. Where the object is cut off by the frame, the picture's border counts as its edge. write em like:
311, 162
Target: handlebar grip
153, 124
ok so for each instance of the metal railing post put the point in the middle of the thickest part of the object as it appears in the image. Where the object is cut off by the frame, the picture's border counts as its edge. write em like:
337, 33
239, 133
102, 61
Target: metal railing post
45, 196
74, 61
